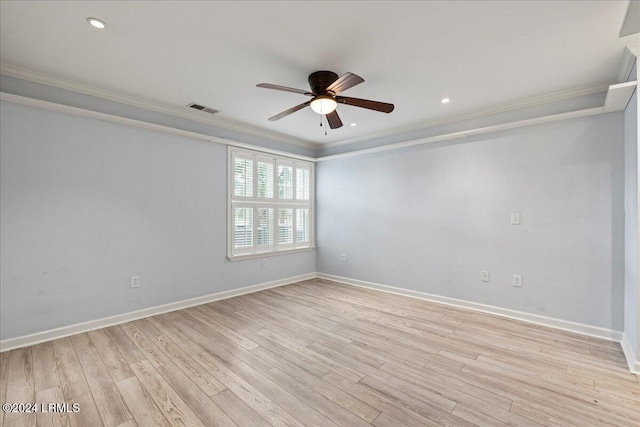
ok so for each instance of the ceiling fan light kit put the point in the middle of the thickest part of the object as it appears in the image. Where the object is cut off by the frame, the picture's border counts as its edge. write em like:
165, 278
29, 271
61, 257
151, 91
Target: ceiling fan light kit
323, 104
325, 87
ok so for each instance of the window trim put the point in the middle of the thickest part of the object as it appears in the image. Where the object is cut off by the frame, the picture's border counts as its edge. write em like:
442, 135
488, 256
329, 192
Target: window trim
274, 203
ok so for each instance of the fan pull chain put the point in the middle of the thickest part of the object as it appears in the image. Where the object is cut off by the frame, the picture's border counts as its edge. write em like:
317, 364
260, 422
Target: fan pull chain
325, 128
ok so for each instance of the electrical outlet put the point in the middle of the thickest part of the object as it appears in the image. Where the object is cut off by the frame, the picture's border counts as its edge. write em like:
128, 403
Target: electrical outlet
485, 276
135, 281
517, 281
515, 219
264, 262
343, 257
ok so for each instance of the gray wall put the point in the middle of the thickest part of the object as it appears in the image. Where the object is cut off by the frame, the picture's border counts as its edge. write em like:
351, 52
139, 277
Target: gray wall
430, 218
85, 204
631, 296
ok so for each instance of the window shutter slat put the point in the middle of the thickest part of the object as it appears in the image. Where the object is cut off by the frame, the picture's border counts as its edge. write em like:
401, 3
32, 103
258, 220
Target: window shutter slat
285, 182
285, 226
302, 183
242, 177
303, 227
265, 179
243, 228
265, 227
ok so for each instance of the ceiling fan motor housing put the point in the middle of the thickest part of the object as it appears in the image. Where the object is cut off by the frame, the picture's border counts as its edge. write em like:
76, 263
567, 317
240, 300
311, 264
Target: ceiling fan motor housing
320, 81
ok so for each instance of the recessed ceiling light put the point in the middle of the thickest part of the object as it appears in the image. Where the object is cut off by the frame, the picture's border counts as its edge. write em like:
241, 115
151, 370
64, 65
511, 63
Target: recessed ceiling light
95, 22
354, 124
445, 100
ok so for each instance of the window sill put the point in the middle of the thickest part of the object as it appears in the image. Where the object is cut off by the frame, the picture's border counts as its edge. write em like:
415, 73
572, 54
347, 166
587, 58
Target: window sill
268, 254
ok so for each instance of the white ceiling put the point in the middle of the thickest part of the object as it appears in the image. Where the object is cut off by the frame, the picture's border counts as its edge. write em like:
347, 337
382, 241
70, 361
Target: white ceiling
480, 54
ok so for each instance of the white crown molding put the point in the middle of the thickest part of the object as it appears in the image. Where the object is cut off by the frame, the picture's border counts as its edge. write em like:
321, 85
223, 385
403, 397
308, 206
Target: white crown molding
618, 96
628, 59
38, 103
35, 77
65, 331
52, 106
471, 132
502, 108
551, 322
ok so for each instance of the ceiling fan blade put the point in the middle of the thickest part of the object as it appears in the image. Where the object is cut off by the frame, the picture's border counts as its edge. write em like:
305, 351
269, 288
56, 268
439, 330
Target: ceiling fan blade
284, 88
344, 82
365, 103
289, 111
334, 120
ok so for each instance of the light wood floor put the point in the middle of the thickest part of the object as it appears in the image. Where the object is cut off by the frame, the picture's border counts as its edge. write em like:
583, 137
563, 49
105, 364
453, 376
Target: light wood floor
319, 353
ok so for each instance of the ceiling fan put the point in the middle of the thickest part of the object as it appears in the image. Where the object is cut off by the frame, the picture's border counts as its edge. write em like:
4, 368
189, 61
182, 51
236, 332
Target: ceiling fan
325, 88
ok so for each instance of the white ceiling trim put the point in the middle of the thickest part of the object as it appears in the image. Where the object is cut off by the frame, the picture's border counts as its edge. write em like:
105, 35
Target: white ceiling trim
619, 96
628, 59
35, 77
619, 91
470, 132
502, 108
52, 106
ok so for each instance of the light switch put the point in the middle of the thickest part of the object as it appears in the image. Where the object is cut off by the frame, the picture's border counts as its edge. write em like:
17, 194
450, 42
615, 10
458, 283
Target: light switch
515, 218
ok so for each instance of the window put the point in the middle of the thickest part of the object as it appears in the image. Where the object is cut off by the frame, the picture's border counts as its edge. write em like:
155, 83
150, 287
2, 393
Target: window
270, 204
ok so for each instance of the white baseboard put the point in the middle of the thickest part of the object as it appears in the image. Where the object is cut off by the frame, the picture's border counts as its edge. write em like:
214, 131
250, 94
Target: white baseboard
629, 354
579, 328
52, 334
565, 325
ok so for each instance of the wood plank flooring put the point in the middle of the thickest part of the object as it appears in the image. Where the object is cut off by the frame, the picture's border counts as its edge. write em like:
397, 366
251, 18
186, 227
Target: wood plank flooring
318, 353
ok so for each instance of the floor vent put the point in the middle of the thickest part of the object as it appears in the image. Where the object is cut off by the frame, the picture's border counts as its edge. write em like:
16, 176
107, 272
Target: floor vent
203, 108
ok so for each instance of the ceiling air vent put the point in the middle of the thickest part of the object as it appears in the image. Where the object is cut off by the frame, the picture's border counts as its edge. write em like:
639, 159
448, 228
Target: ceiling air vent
203, 108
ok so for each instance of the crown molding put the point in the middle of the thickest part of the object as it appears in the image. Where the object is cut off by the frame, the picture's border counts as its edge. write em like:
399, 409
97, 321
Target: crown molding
59, 83
36, 77
471, 132
38, 103
52, 106
628, 59
501, 108
618, 96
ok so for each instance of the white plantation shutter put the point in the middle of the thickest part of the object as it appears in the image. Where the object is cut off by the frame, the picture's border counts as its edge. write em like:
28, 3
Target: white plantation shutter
242, 229
303, 227
285, 181
266, 223
303, 184
285, 227
270, 200
265, 178
243, 177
